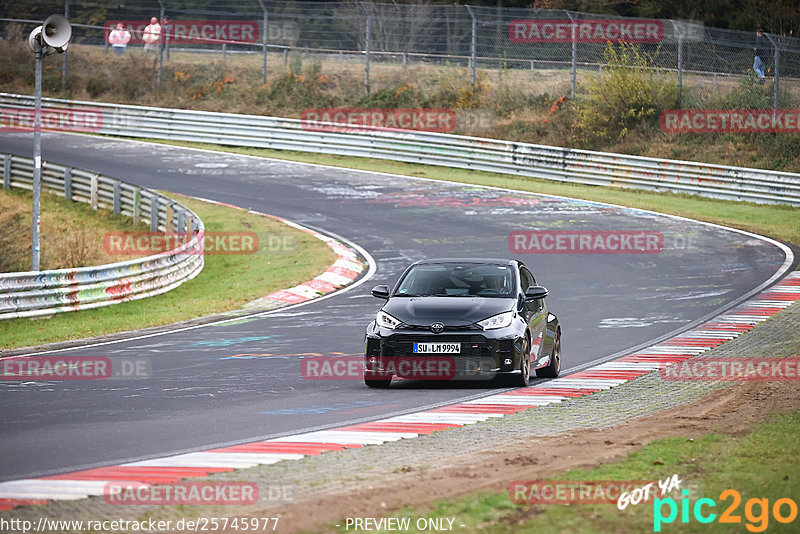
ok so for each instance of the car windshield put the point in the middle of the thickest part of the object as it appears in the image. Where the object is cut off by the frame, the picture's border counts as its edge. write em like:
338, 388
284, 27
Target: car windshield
457, 280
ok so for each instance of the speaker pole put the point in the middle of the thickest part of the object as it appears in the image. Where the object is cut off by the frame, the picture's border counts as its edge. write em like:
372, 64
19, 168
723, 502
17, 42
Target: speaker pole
52, 36
37, 161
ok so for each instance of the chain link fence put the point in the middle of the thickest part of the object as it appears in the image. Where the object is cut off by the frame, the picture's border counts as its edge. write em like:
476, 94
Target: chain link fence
551, 50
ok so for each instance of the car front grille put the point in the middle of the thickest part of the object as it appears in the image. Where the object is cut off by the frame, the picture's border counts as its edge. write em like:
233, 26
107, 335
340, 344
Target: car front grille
427, 328
403, 344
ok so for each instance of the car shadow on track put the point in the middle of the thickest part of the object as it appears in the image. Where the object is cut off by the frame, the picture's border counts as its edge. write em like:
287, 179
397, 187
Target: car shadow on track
500, 382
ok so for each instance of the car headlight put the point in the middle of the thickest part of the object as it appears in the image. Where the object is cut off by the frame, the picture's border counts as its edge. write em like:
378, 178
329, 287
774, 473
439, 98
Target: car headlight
501, 320
384, 320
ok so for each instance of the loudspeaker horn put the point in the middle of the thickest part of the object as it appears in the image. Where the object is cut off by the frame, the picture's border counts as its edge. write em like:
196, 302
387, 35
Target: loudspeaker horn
34, 39
56, 32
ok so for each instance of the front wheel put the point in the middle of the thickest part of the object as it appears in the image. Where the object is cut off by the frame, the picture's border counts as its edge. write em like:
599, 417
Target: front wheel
552, 369
524, 377
377, 382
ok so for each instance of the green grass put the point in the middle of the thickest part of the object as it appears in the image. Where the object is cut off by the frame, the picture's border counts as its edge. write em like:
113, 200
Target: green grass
763, 464
69, 232
226, 283
777, 221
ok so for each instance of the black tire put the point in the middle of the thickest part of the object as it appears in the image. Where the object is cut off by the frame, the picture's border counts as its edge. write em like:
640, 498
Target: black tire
377, 383
552, 369
523, 379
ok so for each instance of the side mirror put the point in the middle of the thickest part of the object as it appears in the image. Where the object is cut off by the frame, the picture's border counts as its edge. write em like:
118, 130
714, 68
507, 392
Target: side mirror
381, 291
535, 293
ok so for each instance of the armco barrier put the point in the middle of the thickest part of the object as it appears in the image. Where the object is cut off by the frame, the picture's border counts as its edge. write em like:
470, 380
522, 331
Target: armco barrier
538, 161
31, 294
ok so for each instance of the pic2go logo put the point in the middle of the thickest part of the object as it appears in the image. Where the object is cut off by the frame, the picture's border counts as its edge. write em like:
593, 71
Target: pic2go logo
756, 511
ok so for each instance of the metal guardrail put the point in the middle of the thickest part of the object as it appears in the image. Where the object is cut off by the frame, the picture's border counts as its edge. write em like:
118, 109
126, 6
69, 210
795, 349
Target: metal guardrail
507, 157
37, 293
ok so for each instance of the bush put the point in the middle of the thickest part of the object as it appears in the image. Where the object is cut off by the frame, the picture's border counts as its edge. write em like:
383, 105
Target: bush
397, 95
626, 93
97, 85
749, 94
297, 91
16, 59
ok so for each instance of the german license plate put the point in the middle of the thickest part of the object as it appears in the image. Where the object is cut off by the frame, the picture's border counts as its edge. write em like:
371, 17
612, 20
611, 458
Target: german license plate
437, 348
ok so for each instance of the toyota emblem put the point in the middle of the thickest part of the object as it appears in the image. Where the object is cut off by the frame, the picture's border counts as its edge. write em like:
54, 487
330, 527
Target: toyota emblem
437, 328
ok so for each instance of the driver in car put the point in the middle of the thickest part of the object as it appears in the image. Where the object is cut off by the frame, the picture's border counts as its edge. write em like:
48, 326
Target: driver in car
496, 283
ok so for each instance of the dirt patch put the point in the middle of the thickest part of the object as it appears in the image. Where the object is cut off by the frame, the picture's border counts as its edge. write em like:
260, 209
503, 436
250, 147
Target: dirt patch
734, 411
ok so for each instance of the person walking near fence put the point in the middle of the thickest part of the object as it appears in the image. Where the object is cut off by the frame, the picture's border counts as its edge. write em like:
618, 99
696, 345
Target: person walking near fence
761, 51
119, 39
152, 36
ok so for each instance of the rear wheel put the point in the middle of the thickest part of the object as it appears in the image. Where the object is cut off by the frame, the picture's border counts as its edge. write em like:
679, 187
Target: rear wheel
524, 377
552, 369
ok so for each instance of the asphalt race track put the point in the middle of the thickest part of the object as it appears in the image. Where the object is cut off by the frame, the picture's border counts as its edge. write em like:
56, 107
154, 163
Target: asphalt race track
200, 394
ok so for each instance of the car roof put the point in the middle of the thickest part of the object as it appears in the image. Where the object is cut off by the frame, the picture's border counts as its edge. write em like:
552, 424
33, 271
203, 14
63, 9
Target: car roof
489, 261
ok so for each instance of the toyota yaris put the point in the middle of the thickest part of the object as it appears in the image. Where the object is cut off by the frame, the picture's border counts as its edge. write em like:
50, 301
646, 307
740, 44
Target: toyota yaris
462, 318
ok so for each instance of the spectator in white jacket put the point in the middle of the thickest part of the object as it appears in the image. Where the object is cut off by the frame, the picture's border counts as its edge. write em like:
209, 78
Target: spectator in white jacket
119, 39
152, 36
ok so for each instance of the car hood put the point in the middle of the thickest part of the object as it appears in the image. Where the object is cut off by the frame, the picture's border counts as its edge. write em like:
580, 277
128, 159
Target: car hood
450, 311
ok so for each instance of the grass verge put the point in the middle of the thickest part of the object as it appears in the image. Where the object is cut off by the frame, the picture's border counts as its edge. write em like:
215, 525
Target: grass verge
285, 257
760, 465
69, 232
776, 221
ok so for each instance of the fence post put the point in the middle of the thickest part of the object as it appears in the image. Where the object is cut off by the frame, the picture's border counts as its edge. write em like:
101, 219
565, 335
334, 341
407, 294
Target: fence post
169, 212
777, 60
137, 199
154, 214
7, 171
368, 37
68, 184
161, 43
181, 230
64, 59
264, 41
680, 63
574, 68
776, 97
93, 191
116, 196
168, 27
473, 56
224, 49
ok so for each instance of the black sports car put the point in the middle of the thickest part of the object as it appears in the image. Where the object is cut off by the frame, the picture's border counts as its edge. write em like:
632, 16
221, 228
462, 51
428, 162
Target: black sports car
465, 318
